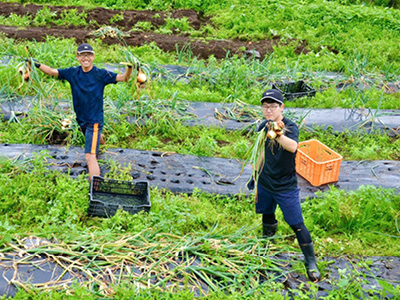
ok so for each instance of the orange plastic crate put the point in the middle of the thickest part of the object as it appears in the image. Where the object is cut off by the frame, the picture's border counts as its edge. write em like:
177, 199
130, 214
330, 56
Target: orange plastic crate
317, 163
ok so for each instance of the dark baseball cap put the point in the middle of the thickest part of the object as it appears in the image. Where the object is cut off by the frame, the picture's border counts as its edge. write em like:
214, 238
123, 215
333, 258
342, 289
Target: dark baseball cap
84, 48
272, 94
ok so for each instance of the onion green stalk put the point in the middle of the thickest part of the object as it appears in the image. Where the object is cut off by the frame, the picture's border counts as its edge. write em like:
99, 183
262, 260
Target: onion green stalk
149, 260
255, 156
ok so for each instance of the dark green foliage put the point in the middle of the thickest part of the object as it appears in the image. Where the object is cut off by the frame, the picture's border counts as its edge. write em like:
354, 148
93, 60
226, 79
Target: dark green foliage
383, 3
31, 196
370, 209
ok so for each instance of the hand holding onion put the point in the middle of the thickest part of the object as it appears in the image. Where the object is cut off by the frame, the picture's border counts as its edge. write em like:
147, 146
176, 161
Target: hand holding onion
140, 77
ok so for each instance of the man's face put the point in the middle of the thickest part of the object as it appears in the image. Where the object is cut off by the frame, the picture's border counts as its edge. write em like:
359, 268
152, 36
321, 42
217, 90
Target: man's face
86, 59
272, 111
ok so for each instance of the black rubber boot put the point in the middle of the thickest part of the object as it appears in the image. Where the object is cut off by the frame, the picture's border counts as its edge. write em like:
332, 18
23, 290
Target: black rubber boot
310, 261
269, 230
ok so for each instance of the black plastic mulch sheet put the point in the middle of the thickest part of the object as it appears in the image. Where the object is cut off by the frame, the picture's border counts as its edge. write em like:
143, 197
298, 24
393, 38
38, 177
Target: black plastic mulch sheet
185, 173
337, 119
21, 270
233, 117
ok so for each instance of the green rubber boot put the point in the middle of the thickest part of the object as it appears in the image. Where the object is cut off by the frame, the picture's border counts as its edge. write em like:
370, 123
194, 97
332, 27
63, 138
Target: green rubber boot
310, 261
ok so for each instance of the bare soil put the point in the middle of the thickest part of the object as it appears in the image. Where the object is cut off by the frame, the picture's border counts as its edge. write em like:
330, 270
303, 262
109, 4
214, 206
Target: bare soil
168, 42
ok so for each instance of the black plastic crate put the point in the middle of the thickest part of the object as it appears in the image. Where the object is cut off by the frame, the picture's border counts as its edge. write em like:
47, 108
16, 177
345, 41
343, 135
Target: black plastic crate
295, 89
108, 195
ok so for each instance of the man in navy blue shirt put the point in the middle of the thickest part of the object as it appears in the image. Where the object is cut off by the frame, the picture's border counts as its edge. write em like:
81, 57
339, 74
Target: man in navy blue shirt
277, 182
87, 85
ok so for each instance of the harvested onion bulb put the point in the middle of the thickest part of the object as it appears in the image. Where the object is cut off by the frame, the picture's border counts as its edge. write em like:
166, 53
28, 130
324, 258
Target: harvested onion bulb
141, 77
279, 125
23, 71
271, 134
65, 123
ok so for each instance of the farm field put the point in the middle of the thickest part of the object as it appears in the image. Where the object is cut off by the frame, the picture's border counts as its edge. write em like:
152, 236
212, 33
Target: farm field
190, 128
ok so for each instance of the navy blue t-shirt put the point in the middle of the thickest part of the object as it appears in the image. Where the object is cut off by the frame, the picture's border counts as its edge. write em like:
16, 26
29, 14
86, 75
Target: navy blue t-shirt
279, 172
87, 92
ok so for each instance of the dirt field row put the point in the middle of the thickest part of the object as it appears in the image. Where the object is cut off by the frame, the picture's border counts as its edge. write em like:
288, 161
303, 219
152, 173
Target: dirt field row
200, 47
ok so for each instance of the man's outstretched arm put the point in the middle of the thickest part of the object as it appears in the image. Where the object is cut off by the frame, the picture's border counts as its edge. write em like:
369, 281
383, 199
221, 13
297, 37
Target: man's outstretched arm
46, 69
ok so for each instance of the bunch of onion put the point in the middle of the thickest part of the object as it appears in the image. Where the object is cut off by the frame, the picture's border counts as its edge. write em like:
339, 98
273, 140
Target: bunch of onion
141, 71
108, 31
141, 77
65, 123
240, 111
275, 129
25, 71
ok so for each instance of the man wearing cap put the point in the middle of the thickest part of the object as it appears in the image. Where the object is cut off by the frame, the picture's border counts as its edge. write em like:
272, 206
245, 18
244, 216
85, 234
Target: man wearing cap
87, 85
277, 182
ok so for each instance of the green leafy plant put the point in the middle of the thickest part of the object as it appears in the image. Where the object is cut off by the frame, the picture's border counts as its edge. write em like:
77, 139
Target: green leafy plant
15, 20
73, 17
178, 25
44, 17
142, 26
116, 18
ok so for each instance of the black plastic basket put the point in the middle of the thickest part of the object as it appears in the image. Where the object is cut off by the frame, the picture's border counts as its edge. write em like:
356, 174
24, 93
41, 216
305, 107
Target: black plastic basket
108, 195
295, 89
